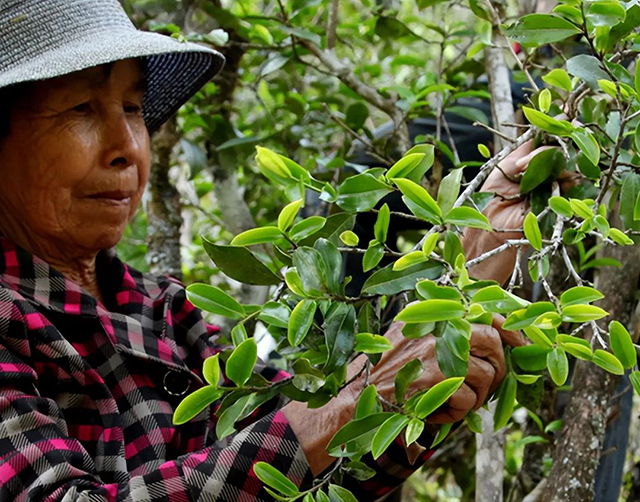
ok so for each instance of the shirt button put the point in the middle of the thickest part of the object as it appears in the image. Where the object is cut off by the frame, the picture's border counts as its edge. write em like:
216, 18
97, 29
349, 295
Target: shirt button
176, 383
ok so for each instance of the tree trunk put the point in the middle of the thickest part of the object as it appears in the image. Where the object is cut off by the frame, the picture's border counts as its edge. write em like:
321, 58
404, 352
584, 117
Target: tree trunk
578, 450
163, 207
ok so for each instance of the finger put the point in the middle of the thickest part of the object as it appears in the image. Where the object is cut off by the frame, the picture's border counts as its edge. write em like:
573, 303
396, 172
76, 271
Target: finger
486, 344
480, 378
512, 338
461, 403
510, 164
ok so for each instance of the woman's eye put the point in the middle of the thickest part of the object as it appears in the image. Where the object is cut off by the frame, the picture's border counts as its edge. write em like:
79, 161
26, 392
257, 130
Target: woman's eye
82, 107
133, 109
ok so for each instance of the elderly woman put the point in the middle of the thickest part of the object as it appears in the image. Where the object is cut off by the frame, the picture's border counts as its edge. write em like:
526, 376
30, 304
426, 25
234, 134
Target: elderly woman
94, 355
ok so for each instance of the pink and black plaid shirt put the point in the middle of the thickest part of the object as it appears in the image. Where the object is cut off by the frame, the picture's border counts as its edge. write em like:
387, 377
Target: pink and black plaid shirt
88, 391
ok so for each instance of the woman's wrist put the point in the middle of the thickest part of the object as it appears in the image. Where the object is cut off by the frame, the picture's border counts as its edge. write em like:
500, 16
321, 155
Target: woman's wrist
314, 428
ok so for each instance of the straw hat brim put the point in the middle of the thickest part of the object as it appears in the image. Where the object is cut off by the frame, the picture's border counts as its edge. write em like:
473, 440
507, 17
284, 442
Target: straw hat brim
175, 70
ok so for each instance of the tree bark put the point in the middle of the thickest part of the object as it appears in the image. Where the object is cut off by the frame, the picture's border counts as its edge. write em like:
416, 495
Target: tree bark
578, 450
163, 206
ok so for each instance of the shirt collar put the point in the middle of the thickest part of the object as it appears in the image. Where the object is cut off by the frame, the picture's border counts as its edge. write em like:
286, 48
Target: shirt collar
128, 294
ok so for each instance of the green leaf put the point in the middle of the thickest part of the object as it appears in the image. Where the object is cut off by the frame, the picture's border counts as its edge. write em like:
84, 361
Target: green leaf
381, 226
306, 227
506, 402
605, 13
474, 422
468, 217
349, 238
259, 235
636, 80
357, 114
547, 123
194, 403
340, 494
367, 402
449, 363
408, 374
526, 317
288, 214
496, 300
577, 349
622, 344
561, 206
413, 431
361, 193
272, 166
537, 336
300, 322
322, 497
240, 264
339, 334
442, 434
532, 231
387, 432
541, 167
484, 151
448, 191
372, 344
241, 362
587, 68
213, 299
531, 357
431, 311
211, 370
538, 29
310, 267
359, 470
425, 164
608, 362
272, 477
405, 165
430, 243
429, 290
275, 314
634, 377
332, 260
582, 313
409, 260
581, 209
372, 256
620, 237
356, 429
420, 197
544, 100
559, 78
587, 143
386, 281
580, 295
335, 225
558, 365
436, 396
238, 334
527, 379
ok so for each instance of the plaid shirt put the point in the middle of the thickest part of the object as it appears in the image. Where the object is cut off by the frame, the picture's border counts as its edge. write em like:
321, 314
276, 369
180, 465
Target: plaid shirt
88, 391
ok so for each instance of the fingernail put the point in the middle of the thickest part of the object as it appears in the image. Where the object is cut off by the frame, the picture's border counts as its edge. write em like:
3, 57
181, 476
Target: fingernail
521, 162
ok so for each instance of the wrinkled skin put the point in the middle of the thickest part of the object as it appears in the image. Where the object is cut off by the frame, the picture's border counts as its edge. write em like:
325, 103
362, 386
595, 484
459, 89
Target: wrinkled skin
72, 138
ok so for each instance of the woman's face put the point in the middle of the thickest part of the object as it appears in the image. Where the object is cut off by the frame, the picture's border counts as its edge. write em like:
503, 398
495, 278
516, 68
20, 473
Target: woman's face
77, 158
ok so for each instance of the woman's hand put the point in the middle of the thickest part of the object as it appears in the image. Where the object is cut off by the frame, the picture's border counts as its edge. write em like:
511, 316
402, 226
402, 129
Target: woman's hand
487, 367
315, 428
505, 211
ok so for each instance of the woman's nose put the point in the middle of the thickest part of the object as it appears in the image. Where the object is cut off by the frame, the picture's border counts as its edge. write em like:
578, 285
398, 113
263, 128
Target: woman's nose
123, 139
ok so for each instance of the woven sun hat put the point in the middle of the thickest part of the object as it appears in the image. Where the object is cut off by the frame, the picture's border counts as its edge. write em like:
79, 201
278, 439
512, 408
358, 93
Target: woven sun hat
43, 39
